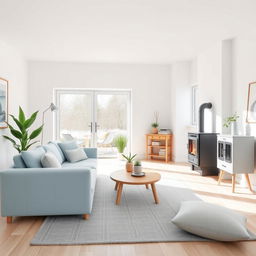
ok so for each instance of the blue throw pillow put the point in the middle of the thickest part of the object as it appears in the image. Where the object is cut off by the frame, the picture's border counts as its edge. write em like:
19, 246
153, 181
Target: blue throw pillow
18, 162
55, 149
69, 145
32, 158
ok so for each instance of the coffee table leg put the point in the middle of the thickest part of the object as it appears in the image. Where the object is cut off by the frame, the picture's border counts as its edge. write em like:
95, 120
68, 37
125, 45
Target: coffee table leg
146, 186
116, 186
154, 193
119, 193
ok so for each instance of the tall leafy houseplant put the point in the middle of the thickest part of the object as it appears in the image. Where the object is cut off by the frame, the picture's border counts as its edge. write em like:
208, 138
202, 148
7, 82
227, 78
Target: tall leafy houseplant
22, 139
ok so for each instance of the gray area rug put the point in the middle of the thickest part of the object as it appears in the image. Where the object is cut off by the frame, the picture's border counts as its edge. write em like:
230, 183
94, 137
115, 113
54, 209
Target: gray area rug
137, 219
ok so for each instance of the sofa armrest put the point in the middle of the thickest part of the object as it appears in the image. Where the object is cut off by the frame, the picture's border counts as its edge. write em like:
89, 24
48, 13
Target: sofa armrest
46, 191
91, 152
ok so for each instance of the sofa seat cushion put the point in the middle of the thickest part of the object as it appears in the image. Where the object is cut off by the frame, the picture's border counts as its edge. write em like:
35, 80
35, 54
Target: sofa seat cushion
32, 158
89, 163
55, 149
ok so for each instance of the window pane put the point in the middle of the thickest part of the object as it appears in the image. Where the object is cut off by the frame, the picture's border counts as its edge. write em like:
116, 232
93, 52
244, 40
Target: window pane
75, 117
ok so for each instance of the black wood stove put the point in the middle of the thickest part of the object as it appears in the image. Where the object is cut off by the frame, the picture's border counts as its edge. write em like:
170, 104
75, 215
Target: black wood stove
202, 148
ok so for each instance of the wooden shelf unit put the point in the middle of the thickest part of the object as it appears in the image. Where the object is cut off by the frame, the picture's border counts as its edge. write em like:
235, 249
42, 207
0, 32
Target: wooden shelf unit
152, 151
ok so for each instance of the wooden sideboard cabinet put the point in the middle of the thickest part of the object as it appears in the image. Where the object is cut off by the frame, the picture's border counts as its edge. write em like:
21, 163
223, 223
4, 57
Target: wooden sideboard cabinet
159, 147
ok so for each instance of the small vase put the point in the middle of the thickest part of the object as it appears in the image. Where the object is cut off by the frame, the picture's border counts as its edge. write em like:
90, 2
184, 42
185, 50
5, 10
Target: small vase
154, 130
129, 167
233, 128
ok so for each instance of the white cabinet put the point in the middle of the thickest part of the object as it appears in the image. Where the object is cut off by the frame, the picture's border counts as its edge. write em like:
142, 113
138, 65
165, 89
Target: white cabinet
235, 155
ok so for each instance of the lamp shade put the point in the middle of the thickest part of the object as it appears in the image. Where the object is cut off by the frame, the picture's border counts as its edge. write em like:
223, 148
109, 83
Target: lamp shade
53, 107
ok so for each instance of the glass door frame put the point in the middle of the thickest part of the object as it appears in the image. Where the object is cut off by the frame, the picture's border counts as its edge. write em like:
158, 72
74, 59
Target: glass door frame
94, 93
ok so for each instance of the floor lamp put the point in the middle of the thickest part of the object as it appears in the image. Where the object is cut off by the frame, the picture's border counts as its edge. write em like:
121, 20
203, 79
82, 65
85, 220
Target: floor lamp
53, 108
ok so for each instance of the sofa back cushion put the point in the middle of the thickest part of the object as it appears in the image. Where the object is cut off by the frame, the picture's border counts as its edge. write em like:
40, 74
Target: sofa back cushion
32, 158
49, 160
18, 162
75, 155
69, 145
55, 149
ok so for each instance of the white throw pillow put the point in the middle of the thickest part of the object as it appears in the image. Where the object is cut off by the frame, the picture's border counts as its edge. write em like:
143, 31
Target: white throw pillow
75, 155
211, 221
49, 160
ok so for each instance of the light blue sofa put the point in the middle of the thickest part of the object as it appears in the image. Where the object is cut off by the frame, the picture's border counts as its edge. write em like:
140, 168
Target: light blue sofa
68, 190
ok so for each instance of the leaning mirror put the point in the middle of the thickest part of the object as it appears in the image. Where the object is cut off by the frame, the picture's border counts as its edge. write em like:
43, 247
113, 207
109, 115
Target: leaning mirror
251, 103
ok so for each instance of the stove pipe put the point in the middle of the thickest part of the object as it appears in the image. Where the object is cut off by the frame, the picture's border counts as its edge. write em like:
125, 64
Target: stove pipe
201, 115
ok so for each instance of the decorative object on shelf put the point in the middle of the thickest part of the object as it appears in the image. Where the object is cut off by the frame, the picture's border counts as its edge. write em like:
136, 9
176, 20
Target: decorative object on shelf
155, 125
159, 147
137, 167
231, 121
129, 164
23, 133
120, 142
53, 108
3, 103
165, 131
251, 103
162, 152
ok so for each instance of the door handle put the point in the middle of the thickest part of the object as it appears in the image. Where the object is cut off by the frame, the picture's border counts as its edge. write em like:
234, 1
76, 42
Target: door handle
90, 125
96, 127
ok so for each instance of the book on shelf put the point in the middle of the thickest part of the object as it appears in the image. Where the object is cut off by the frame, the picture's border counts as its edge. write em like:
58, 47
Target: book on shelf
156, 143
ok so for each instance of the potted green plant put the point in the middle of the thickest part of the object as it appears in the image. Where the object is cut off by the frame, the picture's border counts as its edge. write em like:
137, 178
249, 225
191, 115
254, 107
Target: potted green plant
137, 167
129, 163
231, 121
155, 125
120, 142
22, 139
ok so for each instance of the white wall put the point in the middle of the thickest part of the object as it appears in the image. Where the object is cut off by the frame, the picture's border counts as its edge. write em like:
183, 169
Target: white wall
209, 84
182, 77
244, 72
150, 86
12, 68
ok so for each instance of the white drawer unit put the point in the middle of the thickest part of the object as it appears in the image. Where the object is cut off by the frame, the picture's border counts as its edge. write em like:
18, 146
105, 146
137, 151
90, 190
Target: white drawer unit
235, 155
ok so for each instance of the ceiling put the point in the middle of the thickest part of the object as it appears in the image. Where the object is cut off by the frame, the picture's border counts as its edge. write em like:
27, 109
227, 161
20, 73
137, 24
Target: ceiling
135, 31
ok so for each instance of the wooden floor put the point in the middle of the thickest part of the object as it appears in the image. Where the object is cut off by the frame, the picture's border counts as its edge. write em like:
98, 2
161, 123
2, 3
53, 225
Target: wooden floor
15, 237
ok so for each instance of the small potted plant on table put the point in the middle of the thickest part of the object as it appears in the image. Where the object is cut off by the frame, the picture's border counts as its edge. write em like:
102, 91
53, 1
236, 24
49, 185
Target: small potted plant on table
129, 164
137, 167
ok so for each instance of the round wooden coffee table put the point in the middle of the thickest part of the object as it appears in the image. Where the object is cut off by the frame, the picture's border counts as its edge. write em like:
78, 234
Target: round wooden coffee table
122, 177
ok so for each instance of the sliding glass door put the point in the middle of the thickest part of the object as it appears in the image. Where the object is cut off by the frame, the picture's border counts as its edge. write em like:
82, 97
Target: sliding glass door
94, 118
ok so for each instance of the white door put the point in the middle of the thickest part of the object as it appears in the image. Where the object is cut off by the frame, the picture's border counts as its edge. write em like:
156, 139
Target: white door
94, 118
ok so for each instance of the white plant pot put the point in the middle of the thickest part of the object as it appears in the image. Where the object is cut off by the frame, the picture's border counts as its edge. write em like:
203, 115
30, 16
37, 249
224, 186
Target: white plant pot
137, 169
234, 128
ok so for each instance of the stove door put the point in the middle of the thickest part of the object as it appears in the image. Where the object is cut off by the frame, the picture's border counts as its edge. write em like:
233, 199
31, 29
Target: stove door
193, 149
221, 150
228, 152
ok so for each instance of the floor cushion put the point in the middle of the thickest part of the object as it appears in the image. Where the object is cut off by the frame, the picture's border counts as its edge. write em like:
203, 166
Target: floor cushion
211, 221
